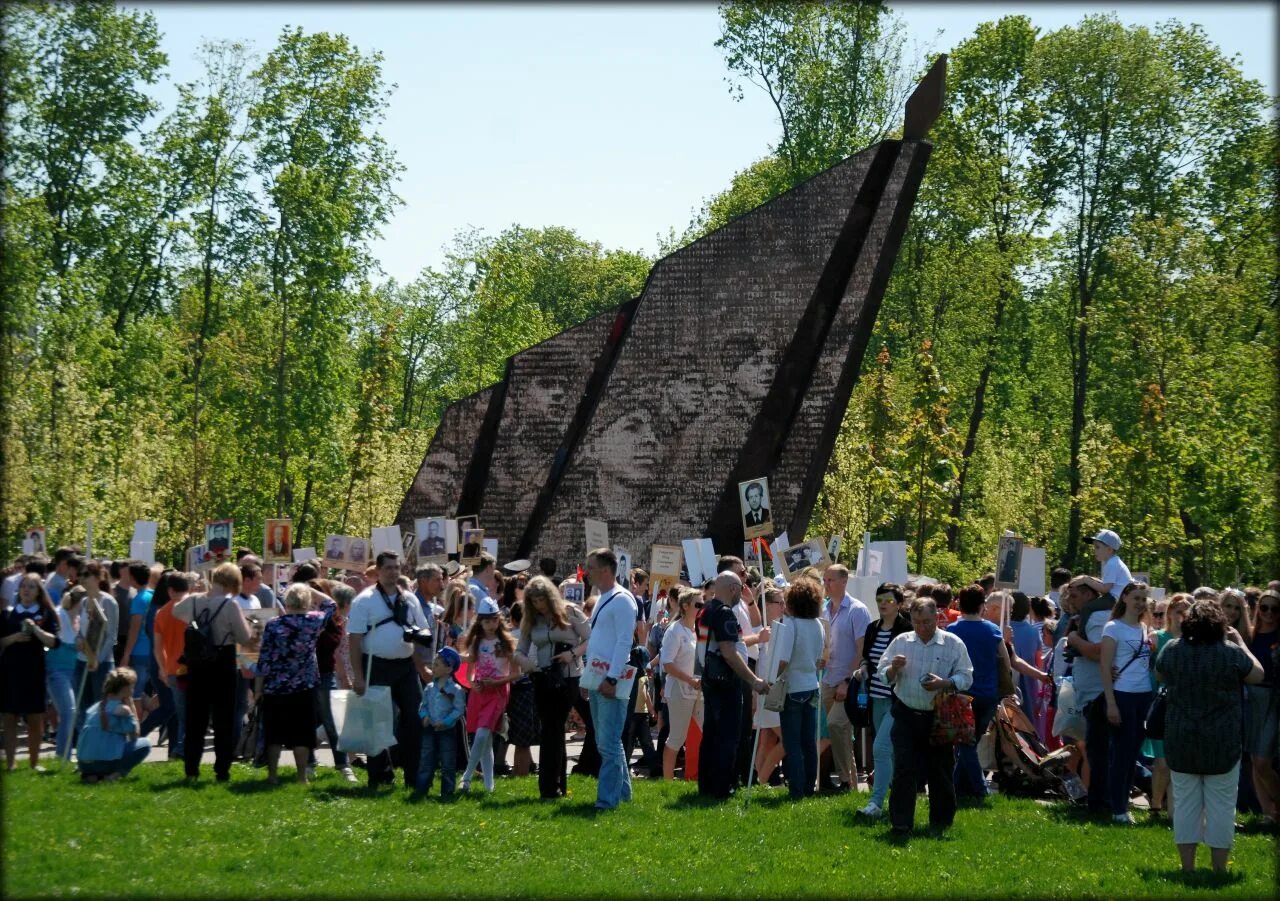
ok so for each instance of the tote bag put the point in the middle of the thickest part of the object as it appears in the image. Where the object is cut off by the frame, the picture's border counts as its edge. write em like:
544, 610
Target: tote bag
369, 724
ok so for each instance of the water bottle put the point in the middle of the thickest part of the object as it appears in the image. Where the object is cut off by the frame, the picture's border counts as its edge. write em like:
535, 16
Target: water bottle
862, 695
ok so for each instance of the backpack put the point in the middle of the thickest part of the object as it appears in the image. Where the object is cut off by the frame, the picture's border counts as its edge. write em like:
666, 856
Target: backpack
197, 639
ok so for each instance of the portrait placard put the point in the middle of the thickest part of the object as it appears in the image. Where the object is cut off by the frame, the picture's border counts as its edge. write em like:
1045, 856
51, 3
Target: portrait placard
277, 541
247, 654
1008, 561
753, 501
432, 539
574, 593
386, 538
624, 565
665, 560
800, 556
303, 554
335, 552
36, 536
217, 538
597, 533
472, 545
143, 550
357, 553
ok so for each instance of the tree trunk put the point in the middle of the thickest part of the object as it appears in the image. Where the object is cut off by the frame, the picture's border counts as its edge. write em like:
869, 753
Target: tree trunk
1079, 393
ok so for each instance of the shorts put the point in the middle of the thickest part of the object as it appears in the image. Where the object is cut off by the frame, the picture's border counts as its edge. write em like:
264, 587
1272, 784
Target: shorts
1262, 715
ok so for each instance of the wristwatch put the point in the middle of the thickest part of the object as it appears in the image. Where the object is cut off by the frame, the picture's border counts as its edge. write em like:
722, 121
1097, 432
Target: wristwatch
611, 680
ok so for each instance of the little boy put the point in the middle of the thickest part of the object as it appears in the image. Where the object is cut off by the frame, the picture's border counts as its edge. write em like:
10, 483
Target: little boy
1115, 575
443, 704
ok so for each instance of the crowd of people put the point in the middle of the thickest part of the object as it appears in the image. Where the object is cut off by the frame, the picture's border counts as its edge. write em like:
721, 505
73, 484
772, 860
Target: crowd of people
745, 679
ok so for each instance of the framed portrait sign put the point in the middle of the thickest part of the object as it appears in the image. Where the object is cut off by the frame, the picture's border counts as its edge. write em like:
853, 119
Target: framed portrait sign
1008, 562
798, 557
665, 560
217, 538
335, 551
597, 534
753, 498
472, 546
432, 534
277, 541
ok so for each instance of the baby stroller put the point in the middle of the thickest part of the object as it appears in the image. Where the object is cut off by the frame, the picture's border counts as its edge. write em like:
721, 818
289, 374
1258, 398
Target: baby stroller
1022, 765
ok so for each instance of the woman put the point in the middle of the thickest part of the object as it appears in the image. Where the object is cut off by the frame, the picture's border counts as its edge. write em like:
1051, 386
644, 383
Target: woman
459, 610
60, 669
769, 722
332, 640
212, 682
800, 643
1170, 626
893, 622
989, 655
1203, 673
553, 638
682, 688
523, 724
1262, 708
164, 713
1124, 664
26, 629
91, 576
1236, 610
109, 747
171, 674
288, 676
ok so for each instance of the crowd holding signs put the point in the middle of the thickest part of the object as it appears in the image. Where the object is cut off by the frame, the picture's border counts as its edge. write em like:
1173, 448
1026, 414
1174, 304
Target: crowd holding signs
779, 667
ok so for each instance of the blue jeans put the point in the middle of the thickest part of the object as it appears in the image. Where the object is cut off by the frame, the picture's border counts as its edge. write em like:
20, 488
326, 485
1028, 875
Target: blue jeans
61, 685
167, 715
141, 664
609, 716
968, 778
92, 689
882, 750
329, 683
799, 723
135, 752
439, 749
1126, 741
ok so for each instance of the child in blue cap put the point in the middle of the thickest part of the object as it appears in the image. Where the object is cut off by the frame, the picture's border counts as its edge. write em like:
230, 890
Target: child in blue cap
443, 704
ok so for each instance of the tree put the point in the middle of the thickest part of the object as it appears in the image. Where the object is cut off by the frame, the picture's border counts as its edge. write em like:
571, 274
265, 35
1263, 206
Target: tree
928, 452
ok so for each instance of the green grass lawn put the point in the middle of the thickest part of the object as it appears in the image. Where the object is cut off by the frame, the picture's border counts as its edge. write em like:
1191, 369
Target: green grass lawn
152, 835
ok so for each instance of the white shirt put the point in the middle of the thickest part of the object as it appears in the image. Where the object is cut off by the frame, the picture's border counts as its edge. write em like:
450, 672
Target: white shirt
745, 629
248, 602
9, 589
802, 656
1133, 655
678, 645
385, 640
945, 655
1086, 675
613, 626
1115, 575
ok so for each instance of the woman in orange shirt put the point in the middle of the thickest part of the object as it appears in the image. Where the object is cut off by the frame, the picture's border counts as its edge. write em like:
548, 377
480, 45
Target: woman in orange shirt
171, 675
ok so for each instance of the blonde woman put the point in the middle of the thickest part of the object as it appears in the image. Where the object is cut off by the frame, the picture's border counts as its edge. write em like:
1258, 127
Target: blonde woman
683, 690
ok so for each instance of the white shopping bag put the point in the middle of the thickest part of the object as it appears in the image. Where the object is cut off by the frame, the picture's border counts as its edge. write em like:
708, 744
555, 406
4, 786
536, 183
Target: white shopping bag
369, 724
1069, 720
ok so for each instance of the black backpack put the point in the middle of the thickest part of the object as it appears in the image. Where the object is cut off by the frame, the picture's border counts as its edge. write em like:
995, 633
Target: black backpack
197, 640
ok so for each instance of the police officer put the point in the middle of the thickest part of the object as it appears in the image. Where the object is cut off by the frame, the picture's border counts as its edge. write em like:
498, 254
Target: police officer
724, 664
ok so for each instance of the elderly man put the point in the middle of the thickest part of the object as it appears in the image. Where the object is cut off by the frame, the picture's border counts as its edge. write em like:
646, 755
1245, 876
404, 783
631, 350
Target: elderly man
724, 663
613, 626
919, 664
376, 626
846, 619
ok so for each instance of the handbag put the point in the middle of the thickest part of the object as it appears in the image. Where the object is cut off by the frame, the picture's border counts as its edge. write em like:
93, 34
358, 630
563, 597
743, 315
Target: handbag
1154, 722
953, 722
1069, 721
369, 726
776, 699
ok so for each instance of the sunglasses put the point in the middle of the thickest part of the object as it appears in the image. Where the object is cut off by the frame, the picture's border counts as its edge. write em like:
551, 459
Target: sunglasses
1268, 608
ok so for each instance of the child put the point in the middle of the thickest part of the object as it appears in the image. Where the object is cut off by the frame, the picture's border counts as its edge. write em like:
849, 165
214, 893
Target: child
636, 730
443, 704
109, 745
1115, 574
490, 648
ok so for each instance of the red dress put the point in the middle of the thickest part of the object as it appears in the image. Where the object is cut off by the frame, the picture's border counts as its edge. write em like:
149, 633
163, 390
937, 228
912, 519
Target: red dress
485, 706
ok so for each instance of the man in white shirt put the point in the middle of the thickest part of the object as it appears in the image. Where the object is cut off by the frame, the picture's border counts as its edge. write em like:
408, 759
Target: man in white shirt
847, 619
376, 627
613, 624
919, 664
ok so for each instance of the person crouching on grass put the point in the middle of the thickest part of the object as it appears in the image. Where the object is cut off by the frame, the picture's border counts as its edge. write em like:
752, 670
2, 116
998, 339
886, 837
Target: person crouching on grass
109, 745
490, 648
443, 703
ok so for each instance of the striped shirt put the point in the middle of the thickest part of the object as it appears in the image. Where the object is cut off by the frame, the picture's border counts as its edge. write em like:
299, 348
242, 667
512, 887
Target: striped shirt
944, 655
879, 688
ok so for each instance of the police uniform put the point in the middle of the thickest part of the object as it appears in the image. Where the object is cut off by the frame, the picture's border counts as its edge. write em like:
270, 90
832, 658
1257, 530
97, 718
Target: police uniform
721, 703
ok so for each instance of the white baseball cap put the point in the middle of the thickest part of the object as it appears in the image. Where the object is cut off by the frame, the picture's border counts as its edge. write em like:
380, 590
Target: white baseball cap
1109, 538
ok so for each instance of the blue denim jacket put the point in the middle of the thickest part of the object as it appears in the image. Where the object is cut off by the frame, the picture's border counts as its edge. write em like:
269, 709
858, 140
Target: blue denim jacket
443, 703
97, 743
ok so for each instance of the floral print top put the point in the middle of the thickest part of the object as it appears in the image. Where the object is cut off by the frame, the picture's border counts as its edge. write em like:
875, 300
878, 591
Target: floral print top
287, 658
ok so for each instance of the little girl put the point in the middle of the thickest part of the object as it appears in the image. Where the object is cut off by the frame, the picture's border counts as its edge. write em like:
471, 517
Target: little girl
109, 745
490, 648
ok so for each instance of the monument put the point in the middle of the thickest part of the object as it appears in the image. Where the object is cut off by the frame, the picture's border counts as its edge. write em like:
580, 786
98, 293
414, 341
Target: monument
736, 362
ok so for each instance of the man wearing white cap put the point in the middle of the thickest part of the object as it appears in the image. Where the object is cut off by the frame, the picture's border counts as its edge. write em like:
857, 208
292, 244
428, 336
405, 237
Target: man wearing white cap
1115, 575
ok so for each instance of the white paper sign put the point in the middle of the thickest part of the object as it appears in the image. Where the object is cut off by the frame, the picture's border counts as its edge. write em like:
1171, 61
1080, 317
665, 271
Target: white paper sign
387, 538
693, 562
1031, 577
597, 532
143, 550
145, 530
491, 546
863, 588
885, 560
28, 546
707, 556
303, 554
1157, 594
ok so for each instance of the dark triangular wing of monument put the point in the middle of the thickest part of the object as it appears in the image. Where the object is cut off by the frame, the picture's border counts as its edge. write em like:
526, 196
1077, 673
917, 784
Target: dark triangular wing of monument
737, 361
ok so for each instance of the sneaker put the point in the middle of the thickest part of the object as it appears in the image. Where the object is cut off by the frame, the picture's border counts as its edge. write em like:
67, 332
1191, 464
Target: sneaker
872, 810
349, 774
311, 771
1123, 819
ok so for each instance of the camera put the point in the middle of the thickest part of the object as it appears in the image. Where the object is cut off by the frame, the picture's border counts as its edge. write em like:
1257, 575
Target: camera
417, 635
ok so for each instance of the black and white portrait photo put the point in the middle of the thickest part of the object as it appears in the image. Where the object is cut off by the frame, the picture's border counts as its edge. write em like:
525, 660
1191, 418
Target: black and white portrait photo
753, 496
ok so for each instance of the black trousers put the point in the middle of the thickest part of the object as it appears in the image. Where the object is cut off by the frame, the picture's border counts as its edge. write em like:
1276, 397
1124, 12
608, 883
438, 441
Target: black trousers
211, 696
589, 759
1097, 748
401, 677
553, 709
721, 722
742, 762
914, 754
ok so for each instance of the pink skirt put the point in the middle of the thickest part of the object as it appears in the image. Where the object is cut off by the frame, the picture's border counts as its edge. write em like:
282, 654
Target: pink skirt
486, 706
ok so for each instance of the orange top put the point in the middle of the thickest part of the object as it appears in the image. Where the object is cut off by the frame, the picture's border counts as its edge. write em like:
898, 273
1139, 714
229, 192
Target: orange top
170, 641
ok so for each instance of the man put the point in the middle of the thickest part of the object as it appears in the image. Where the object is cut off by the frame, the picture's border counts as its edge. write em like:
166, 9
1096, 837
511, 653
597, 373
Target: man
1084, 648
988, 583
613, 624
547, 566
751, 645
278, 545
375, 628
919, 664
640, 591
247, 599
484, 579
757, 514
724, 665
57, 583
847, 619
432, 544
1115, 574
430, 585
1059, 577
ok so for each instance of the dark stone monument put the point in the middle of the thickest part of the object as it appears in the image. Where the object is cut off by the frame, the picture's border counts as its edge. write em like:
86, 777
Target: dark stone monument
737, 361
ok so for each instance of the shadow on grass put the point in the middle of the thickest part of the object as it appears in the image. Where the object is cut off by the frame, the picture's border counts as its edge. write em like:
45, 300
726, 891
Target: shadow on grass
1066, 812
257, 786
178, 782
583, 810
1199, 879
346, 790
695, 801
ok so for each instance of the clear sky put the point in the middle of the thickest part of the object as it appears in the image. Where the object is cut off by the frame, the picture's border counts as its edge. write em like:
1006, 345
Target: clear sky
613, 120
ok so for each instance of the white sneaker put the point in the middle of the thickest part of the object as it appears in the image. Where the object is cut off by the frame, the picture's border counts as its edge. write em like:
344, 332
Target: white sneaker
349, 775
1123, 819
872, 810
